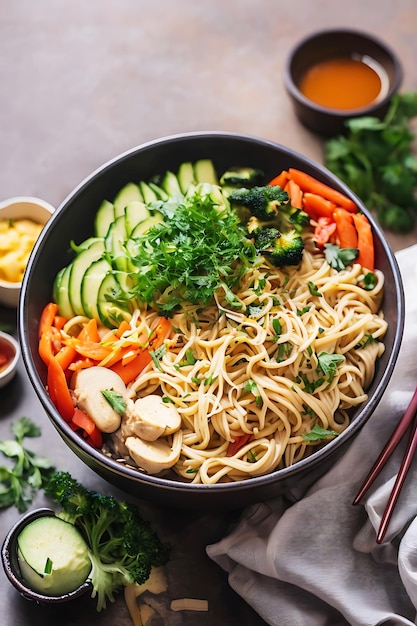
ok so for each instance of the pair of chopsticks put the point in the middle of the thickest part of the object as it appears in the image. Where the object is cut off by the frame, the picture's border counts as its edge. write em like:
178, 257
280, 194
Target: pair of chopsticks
408, 418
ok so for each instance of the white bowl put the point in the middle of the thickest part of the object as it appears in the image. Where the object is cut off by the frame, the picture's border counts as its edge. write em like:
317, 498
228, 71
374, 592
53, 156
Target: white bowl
12, 348
18, 208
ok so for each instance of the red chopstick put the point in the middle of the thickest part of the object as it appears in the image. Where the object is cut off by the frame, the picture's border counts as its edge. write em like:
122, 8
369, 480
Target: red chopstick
393, 441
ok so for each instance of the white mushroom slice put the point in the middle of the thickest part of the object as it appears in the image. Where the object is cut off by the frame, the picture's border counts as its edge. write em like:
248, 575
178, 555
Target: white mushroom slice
89, 384
150, 418
155, 456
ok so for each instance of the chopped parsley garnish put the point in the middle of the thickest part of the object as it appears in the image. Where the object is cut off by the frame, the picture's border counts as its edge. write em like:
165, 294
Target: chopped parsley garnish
199, 246
318, 432
339, 258
116, 400
328, 364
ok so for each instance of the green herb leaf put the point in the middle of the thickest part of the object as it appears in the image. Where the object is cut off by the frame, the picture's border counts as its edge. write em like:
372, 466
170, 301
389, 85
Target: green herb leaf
317, 433
328, 363
26, 472
375, 159
339, 258
115, 399
313, 289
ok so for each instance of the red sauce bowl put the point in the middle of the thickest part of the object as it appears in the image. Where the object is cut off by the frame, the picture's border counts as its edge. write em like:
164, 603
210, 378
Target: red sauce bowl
9, 357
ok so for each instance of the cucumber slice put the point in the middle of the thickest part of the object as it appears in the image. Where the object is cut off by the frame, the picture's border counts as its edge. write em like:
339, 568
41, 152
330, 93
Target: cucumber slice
171, 185
62, 293
148, 193
110, 310
50, 540
143, 227
57, 282
160, 193
114, 243
186, 176
90, 286
79, 266
205, 172
129, 193
135, 212
104, 217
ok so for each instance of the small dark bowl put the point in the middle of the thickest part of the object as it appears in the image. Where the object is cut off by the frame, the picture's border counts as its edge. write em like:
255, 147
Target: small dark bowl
11, 564
330, 44
74, 219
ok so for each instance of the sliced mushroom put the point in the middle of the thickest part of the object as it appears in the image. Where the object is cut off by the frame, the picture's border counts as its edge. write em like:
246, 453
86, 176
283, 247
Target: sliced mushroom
155, 456
149, 418
89, 384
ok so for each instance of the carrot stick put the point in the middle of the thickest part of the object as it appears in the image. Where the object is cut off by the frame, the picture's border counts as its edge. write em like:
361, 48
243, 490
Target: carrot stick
58, 390
310, 184
366, 255
346, 229
295, 194
316, 206
47, 317
280, 180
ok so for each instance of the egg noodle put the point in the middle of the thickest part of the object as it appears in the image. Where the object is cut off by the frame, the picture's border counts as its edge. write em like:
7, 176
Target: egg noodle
249, 383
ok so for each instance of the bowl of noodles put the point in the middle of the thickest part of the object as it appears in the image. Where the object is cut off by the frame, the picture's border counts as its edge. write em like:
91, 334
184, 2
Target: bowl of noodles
209, 319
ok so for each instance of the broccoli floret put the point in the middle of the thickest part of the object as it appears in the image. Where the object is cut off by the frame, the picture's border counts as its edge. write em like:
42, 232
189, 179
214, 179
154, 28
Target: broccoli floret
242, 177
122, 546
287, 249
261, 201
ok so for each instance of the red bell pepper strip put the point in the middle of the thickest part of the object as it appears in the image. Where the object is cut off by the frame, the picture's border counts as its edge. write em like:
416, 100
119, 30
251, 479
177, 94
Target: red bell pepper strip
238, 443
323, 231
84, 422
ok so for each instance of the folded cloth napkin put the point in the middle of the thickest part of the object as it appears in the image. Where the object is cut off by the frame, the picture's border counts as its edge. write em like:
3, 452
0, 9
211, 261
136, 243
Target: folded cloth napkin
316, 562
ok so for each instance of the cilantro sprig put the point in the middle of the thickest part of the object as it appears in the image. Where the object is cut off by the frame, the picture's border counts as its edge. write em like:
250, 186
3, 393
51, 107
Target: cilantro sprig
26, 472
199, 246
376, 160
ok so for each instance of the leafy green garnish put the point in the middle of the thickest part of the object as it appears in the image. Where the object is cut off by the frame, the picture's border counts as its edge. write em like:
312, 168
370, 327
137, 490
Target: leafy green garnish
339, 258
199, 246
375, 159
313, 289
369, 281
328, 363
318, 432
27, 472
115, 399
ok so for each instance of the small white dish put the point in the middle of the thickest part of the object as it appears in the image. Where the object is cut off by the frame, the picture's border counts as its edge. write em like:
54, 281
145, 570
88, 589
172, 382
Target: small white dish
10, 348
16, 208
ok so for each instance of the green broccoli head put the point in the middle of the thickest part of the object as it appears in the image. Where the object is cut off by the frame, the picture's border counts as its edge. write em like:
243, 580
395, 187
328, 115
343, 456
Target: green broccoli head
242, 177
287, 249
262, 201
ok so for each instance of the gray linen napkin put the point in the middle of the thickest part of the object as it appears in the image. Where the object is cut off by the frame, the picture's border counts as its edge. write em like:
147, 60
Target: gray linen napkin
316, 562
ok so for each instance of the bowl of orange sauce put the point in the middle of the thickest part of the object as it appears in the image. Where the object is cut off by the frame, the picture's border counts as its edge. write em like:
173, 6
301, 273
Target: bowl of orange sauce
335, 75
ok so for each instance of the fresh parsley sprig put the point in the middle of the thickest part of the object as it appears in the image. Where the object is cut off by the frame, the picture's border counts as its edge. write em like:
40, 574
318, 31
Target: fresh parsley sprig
200, 246
27, 471
376, 160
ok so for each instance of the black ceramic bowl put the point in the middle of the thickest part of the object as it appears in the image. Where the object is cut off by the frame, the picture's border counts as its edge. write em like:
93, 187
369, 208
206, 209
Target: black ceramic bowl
9, 555
74, 220
332, 44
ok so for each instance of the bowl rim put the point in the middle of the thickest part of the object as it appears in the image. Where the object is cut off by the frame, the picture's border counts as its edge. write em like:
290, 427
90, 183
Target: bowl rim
342, 113
107, 464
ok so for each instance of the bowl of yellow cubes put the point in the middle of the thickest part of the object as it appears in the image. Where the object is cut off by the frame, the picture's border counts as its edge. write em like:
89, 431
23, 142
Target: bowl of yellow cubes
21, 221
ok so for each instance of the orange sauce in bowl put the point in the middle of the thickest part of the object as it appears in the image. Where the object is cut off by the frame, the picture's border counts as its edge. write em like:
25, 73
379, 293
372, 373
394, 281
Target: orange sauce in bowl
343, 83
